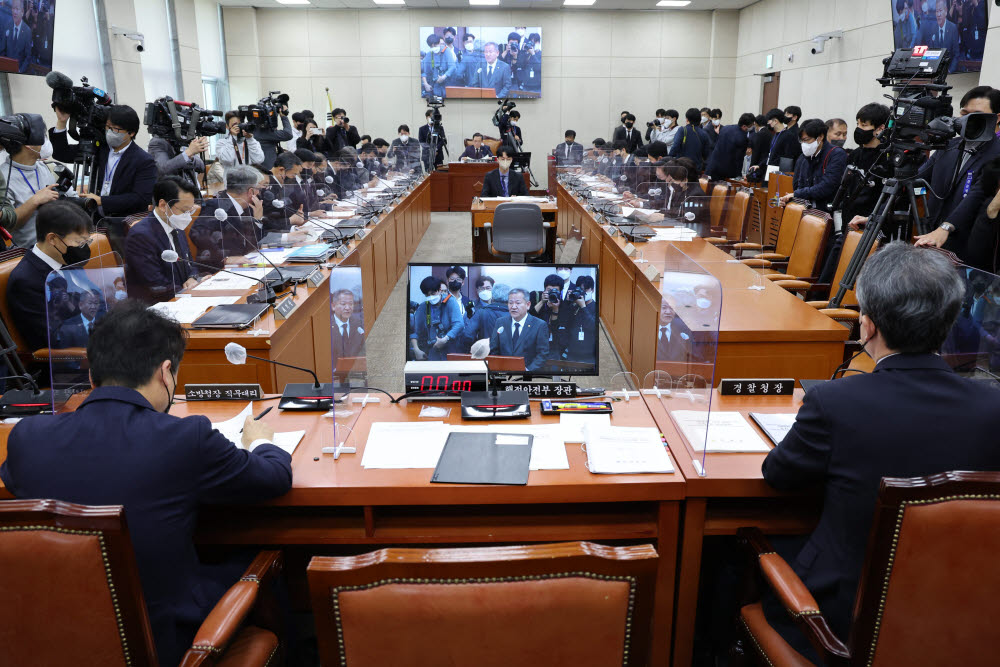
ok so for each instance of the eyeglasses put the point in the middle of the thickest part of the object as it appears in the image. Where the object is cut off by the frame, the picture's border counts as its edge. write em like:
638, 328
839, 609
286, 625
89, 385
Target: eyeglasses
82, 244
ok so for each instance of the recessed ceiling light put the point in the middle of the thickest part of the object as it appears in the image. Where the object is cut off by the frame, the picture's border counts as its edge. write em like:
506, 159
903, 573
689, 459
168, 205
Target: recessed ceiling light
673, 3
488, 3
389, 2
292, 2
578, 3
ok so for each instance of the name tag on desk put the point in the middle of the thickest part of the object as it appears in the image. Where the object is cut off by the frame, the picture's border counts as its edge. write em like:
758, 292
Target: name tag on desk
762, 387
315, 279
284, 308
223, 392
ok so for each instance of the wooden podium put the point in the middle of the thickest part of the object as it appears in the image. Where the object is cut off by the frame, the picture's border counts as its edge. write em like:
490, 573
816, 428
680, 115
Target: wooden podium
10, 65
463, 93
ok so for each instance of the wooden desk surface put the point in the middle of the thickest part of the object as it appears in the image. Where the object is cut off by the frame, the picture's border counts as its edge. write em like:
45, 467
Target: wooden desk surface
490, 205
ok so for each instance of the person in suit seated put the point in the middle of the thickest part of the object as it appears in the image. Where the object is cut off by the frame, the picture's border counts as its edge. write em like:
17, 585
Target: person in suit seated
493, 73
912, 416
404, 155
75, 332
125, 172
726, 160
149, 277
569, 152
348, 329
120, 447
284, 206
691, 141
16, 39
519, 334
476, 150
171, 162
242, 227
942, 34
502, 182
63, 238
437, 322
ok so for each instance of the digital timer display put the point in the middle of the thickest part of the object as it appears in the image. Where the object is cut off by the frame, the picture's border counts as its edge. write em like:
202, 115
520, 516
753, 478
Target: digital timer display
444, 380
444, 383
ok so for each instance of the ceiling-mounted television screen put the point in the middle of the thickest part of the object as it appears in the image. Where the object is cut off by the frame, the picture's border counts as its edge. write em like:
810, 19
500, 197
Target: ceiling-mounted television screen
956, 25
26, 36
480, 62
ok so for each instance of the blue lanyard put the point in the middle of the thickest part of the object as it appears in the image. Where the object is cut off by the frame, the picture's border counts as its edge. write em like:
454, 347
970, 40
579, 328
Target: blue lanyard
109, 172
774, 141
38, 183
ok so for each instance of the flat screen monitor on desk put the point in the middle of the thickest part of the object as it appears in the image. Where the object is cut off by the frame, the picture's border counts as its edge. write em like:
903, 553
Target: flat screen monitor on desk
554, 329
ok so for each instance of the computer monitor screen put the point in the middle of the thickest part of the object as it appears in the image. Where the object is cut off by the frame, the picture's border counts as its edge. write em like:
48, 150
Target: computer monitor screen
539, 319
958, 26
467, 62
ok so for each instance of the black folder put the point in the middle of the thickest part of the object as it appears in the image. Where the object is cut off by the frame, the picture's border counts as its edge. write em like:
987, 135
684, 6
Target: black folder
231, 316
477, 458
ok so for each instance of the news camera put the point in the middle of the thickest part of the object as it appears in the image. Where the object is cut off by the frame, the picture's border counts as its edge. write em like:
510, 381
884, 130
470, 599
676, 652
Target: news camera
263, 115
86, 105
180, 122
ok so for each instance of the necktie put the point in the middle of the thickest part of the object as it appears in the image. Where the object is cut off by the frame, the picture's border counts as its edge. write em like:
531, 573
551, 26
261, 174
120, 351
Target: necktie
503, 182
489, 72
179, 248
940, 38
89, 325
517, 331
16, 31
343, 338
567, 150
665, 333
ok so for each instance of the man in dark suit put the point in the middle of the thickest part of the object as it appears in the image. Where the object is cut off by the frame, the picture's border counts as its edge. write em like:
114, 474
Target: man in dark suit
63, 238
760, 141
147, 275
911, 417
284, 206
16, 39
691, 141
493, 73
476, 150
569, 153
726, 160
121, 448
629, 134
673, 337
520, 334
424, 134
784, 145
942, 34
348, 330
242, 227
503, 182
75, 332
125, 172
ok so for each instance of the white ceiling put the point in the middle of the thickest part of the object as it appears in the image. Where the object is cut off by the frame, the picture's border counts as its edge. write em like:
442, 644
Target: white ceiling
504, 4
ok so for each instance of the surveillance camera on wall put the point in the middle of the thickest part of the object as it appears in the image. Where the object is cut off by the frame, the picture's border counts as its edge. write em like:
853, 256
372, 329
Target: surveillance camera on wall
137, 37
819, 42
817, 46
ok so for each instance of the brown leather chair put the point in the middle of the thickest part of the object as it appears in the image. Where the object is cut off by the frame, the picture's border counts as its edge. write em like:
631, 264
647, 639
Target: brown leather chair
790, 218
8, 261
929, 589
71, 570
717, 205
804, 262
735, 218
703, 182
575, 603
491, 143
497, 363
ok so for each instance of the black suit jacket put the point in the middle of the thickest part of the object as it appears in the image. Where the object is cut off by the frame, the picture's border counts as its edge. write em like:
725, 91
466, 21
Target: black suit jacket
132, 184
355, 344
575, 154
515, 184
911, 417
634, 142
26, 300
214, 240
760, 143
726, 160
148, 277
73, 333
116, 450
784, 145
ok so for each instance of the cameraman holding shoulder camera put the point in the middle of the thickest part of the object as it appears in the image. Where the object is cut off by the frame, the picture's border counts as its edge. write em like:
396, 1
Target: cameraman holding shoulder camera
239, 146
125, 174
270, 139
171, 162
31, 182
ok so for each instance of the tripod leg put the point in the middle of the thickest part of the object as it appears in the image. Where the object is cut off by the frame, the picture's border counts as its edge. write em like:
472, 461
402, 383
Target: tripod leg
883, 209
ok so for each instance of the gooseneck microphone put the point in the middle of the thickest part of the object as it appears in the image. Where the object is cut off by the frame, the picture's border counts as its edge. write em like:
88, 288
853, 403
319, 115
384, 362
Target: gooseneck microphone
222, 216
296, 396
265, 293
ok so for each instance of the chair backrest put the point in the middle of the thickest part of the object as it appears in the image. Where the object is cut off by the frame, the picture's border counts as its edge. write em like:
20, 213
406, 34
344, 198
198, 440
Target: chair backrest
703, 182
493, 144
847, 252
518, 228
71, 570
810, 241
736, 216
6, 266
576, 603
790, 219
930, 590
100, 246
717, 203
497, 363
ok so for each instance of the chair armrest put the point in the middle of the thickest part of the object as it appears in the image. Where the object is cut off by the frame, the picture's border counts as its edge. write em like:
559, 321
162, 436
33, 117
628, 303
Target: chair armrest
774, 277
818, 304
756, 262
773, 256
67, 353
747, 246
230, 612
793, 285
841, 314
794, 595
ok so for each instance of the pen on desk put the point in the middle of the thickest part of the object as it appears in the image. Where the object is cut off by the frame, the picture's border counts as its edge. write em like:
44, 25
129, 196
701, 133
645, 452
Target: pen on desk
261, 415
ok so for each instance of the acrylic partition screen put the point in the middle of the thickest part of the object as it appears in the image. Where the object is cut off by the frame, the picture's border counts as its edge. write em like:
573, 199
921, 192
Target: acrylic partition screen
687, 337
492, 62
973, 345
347, 349
76, 298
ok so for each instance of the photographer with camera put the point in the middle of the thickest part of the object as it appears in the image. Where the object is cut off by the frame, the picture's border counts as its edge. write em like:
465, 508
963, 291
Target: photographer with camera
438, 66
31, 183
239, 146
954, 176
432, 130
125, 174
579, 339
664, 128
171, 162
266, 132
337, 137
180, 131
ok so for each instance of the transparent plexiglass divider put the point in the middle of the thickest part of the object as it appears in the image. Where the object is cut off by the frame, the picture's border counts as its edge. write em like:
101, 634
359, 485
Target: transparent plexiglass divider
76, 298
349, 364
973, 344
687, 338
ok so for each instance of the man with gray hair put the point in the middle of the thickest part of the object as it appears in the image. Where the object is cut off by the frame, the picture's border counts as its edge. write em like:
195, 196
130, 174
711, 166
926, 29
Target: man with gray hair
911, 417
230, 224
520, 334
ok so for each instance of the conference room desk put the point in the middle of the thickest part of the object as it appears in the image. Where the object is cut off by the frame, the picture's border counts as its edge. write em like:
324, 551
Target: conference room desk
465, 182
304, 338
731, 494
482, 215
763, 333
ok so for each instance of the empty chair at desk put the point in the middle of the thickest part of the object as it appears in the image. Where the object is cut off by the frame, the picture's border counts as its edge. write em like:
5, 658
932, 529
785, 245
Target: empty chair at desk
804, 262
790, 218
517, 231
575, 603
72, 570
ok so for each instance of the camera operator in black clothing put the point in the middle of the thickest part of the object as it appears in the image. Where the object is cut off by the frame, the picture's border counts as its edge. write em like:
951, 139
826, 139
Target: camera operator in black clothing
548, 307
578, 342
270, 139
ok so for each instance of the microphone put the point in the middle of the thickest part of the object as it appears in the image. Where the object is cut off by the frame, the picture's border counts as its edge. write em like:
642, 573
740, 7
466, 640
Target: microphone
222, 216
56, 80
296, 396
264, 294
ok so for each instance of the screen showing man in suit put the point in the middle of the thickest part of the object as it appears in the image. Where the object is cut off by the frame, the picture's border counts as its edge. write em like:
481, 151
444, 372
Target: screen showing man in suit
481, 62
26, 36
544, 314
956, 25
347, 326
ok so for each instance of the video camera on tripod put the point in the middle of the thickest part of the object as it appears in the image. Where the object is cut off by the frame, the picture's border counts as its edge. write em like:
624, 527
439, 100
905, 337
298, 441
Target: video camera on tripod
501, 119
180, 122
263, 115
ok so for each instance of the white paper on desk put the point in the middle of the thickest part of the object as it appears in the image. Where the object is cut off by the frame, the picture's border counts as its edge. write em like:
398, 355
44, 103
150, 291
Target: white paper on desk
572, 425
605, 195
232, 429
223, 280
276, 255
775, 426
728, 432
547, 449
674, 234
186, 309
626, 450
404, 445
341, 215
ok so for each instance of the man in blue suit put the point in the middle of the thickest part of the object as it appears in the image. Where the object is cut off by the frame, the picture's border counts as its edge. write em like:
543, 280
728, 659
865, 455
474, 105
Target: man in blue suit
493, 73
942, 34
16, 39
691, 141
125, 172
476, 150
730, 150
520, 334
120, 447
852, 432
147, 275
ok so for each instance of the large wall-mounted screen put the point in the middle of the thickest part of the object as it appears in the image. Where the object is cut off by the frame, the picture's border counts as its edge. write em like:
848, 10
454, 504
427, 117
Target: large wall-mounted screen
956, 25
480, 62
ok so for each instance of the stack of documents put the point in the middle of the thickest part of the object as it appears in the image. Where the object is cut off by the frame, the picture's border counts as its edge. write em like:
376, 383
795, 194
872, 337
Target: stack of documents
775, 426
232, 429
674, 234
224, 280
186, 309
625, 450
728, 432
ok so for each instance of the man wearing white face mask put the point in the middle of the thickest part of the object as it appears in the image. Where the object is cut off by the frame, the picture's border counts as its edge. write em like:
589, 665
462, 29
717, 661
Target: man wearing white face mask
404, 156
820, 169
503, 182
437, 322
148, 277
